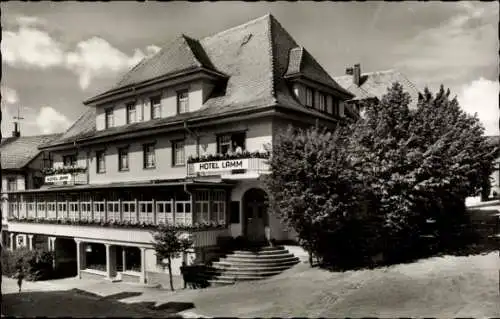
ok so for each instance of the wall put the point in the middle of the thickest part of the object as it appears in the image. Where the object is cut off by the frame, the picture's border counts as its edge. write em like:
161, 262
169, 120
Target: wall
258, 134
198, 93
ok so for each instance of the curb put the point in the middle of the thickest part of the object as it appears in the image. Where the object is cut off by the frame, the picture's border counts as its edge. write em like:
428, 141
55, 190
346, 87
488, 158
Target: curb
190, 314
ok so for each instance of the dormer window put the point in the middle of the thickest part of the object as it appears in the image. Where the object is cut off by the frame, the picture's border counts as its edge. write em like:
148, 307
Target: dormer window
309, 97
131, 113
322, 102
109, 118
155, 107
182, 101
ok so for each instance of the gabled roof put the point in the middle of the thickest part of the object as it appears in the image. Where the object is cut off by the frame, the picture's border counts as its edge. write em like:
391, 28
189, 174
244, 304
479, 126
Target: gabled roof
181, 54
302, 63
254, 56
83, 127
376, 84
17, 152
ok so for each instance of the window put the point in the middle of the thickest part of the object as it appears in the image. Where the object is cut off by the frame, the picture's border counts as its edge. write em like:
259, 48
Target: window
69, 160
47, 160
322, 102
149, 156
11, 184
109, 118
309, 97
178, 155
182, 101
231, 143
155, 107
100, 162
131, 113
201, 206
218, 207
123, 159
335, 105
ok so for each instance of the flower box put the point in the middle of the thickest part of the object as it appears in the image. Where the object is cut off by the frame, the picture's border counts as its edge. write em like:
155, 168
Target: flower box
220, 157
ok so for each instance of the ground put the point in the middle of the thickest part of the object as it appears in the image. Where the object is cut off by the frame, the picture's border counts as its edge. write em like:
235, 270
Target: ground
435, 287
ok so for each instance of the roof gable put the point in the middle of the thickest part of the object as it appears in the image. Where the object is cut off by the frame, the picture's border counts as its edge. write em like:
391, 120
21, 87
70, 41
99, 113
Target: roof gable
20, 151
301, 62
183, 53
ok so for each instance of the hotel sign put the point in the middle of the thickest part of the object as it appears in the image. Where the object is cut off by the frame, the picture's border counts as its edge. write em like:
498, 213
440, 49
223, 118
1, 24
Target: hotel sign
61, 178
218, 166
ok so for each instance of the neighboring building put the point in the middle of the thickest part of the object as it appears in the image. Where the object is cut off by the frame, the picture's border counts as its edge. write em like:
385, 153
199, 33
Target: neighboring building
374, 85
22, 164
182, 139
495, 176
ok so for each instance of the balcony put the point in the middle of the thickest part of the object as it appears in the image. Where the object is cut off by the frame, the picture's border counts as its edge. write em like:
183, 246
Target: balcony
130, 221
229, 166
66, 176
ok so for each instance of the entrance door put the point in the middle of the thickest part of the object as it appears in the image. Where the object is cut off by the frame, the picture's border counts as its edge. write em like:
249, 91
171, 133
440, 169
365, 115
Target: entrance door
255, 212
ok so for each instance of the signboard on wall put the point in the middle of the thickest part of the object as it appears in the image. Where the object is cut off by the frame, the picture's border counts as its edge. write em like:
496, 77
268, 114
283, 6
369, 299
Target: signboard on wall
61, 178
219, 166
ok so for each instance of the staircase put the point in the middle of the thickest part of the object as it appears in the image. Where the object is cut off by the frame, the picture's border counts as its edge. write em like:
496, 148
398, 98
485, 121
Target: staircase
244, 265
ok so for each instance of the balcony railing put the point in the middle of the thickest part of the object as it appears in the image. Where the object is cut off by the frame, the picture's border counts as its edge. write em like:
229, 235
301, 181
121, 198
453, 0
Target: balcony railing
229, 166
66, 176
146, 212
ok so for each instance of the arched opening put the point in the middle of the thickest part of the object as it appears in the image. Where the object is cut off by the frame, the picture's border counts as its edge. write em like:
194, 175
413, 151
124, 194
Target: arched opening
255, 215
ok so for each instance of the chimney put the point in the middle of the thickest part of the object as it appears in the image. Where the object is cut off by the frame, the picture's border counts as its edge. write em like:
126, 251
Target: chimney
348, 71
356, 76
16, 132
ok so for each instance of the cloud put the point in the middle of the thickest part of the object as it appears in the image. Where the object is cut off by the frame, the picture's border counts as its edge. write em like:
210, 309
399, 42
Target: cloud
465, 42
481, 97
50, 121
9, 95
30, 47
95, 57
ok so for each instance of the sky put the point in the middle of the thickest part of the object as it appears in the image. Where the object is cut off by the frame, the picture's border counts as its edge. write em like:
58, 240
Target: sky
57, 54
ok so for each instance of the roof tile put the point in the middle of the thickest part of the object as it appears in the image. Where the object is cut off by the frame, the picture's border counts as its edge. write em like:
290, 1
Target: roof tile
17, 152
377, 84
254, 55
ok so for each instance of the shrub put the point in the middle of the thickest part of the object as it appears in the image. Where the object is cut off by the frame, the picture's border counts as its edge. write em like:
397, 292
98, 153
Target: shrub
37, 264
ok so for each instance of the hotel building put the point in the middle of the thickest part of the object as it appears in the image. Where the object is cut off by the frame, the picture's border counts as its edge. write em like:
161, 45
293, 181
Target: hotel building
182, 138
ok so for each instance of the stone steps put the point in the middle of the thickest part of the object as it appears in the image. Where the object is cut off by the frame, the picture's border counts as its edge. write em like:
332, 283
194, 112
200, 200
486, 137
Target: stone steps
244, 272
247, 265
260, 268
257, 261
278, 255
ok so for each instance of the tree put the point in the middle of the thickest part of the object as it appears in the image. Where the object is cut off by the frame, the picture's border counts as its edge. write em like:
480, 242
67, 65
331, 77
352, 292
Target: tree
169, 243
421, 164
373, 186
314, 189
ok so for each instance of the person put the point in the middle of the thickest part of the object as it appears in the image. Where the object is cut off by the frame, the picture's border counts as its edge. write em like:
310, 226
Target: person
20, 276
237, 148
